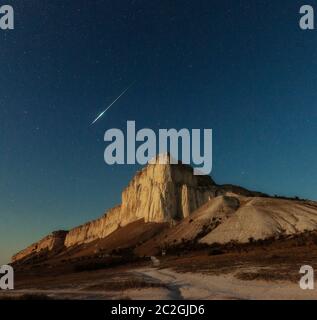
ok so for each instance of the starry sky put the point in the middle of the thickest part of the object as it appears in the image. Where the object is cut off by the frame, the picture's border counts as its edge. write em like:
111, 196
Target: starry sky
242, 68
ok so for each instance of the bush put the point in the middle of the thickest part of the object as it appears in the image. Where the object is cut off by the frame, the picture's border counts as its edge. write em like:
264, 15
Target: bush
215, 252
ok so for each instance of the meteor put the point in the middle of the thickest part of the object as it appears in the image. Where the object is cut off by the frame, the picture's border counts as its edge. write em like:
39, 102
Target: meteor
103, 112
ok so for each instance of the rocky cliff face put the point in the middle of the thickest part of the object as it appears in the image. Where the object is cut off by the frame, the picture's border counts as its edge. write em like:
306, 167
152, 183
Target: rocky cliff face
157, 193
162, 193
95, 229
51, 242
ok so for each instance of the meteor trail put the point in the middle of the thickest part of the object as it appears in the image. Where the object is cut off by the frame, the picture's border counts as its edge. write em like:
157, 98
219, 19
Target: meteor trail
103, 112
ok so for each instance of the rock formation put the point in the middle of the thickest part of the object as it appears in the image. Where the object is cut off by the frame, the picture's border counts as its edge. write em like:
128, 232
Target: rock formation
195, 208
54, 241
157, 193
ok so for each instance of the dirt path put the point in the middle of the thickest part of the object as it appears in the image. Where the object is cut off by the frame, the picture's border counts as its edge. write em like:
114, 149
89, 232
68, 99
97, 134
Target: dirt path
201, 286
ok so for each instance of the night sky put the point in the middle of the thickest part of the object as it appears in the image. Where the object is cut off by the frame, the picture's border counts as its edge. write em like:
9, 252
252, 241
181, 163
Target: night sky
243, 68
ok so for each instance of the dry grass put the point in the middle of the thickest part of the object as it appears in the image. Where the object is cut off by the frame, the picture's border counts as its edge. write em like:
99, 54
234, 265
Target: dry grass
125, 285
266, 275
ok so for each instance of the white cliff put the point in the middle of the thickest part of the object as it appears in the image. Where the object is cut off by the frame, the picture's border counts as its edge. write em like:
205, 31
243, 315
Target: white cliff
157, 193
